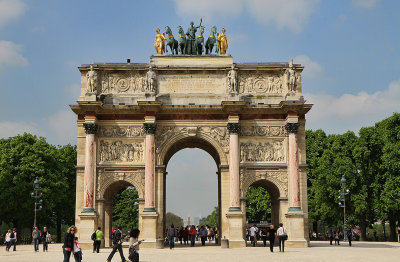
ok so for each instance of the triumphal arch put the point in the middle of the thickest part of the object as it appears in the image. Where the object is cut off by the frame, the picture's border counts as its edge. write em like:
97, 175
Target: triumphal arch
133, 117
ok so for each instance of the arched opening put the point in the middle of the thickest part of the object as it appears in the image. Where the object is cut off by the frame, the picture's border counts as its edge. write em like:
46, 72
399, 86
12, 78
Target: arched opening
262, 205
121, 208
192, 185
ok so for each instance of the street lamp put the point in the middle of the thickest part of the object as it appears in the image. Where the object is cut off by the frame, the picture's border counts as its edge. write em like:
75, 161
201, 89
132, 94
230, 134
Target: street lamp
36, 196
342, 203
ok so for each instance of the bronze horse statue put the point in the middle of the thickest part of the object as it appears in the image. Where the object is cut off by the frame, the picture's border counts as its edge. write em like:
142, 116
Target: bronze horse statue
181, 41
199, 43
171, 42
211, 41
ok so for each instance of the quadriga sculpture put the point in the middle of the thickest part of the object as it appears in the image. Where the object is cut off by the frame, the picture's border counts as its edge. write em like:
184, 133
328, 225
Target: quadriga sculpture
171, 42
211, 41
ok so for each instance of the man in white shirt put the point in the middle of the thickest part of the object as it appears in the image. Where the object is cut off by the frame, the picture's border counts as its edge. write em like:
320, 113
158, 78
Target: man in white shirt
253, 232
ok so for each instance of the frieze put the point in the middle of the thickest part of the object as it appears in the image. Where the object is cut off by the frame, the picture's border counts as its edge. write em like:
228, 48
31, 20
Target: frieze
276, 131
131, 82
121, 131
271, 151
120, 151
261, 84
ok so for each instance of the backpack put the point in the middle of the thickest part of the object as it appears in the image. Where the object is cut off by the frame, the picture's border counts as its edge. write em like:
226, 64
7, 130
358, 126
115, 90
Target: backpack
48, 238
12, 235
93, 237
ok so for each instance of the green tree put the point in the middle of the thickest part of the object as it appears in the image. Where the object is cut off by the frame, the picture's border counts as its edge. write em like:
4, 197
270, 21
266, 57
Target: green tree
211, 220
171, 218
125, 208
258, 204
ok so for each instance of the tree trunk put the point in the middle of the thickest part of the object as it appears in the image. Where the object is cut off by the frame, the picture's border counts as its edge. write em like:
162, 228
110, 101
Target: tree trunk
392, 226
58, 229
363, 229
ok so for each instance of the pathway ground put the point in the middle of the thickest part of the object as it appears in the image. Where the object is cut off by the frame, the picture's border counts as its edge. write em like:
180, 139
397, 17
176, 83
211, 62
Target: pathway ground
319, 251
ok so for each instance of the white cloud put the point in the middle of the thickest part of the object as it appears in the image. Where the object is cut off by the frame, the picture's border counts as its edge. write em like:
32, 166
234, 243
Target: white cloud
10, 54
74, 91
9, 129
10, 10
291, 14
312, 68
366, 3
63, 125
351, 112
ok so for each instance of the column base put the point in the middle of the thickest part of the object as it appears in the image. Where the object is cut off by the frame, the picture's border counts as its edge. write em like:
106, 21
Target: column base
149, 209
149, 229
296, 229
235, 209
235, 219
296, 210
87, 225
88, 210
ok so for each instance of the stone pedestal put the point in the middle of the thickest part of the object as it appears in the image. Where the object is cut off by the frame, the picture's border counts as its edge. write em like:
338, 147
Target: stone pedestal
295, 229
86, 228
235, 220
148, 233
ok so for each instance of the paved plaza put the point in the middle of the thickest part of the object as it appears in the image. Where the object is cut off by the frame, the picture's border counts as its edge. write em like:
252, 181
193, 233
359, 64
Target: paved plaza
319, 251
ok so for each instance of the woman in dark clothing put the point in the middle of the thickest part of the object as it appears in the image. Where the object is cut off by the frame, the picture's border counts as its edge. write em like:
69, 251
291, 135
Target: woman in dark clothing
68, 246
271, 237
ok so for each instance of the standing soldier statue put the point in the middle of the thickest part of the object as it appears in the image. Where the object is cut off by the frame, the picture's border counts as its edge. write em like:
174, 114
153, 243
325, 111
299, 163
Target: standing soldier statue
191, 38
91, 78
291, 78
150, 81
233, 85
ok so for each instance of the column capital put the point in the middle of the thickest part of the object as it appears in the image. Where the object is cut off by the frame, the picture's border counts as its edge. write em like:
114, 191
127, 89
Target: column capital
292, 127
150, 128
90, 128
233, 128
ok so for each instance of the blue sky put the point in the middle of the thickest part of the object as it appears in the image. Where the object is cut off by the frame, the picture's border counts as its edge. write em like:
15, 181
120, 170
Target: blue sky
349, 49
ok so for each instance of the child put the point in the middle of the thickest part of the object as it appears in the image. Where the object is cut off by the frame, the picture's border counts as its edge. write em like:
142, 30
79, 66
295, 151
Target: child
77, 251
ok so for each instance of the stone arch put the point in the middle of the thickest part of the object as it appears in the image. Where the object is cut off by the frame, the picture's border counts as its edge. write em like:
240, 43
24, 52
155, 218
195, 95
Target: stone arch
206, 138
107, 180
276, 179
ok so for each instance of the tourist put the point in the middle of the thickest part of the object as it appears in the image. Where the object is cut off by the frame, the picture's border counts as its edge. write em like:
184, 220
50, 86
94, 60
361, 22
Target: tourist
77, 250
97, 241
185, 235
203, 235
7, 238
117, 242
208, 233
36, 235
180, 234
349, 235
45, 239
192, 234
398, 232
330, 235
337, 237
134, 243
264, 236
171, 233
271, 237
253, 231
68, 246
282, 236
198, 233
14, 239
216, 235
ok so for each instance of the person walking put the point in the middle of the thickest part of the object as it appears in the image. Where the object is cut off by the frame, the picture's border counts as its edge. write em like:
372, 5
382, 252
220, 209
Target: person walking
185, 234
271, 237
171, 234
36, 236
45, 237
180, 234
7, 238
192, 234
77, 250
337, 237
14, 239
68, 246
203, 235
134, 243
282, 236
117, 241
330, 235
97, 241
253, 232
349, 235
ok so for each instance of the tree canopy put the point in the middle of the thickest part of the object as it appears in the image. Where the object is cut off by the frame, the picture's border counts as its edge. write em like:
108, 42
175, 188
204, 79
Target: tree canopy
126, 208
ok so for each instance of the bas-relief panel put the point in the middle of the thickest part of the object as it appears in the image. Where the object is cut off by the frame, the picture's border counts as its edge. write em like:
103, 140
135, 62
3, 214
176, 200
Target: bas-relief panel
212, 84
271, 150
272, 131
130, 82
120, 131
124, 151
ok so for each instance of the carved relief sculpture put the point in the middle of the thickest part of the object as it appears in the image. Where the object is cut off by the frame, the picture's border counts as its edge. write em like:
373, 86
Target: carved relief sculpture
269, 84
118, 151
122, 83
264, 131
91, 80
232, 78
249, 178
121, 131
291, 79
272, 151
151, 81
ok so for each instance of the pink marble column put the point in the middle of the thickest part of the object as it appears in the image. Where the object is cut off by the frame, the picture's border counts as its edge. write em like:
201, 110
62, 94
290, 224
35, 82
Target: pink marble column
90, 129
150, 129
294, 176
234, 161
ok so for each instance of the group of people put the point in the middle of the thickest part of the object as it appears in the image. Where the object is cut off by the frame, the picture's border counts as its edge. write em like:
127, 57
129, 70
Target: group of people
38, 236
267, 234
11, 239
191, 234
337, 236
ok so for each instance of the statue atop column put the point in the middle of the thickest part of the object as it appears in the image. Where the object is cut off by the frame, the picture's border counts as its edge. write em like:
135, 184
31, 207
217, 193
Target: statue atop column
291, 78
191, 39
91, 80
222, 41
159, 42
233, 83
151, 81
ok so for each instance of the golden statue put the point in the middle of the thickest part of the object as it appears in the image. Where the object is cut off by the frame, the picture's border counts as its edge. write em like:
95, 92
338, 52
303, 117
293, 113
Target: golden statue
222, 42
159, 42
